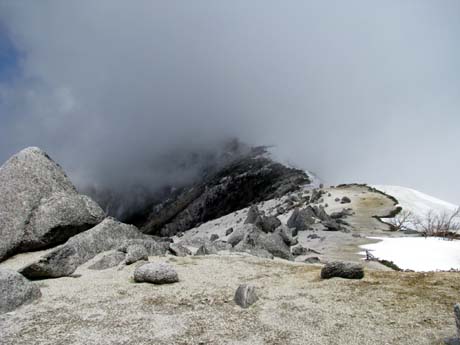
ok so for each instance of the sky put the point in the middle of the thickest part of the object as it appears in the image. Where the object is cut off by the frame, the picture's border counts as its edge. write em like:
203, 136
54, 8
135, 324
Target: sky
119, 91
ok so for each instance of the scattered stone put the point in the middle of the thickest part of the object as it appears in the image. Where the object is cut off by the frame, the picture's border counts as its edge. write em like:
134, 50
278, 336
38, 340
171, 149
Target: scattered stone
64, 260
154, 247
253, 214
312, 260
214, 237
236, 236
356, 235
245, 295
348, 270
301, 219
228, 231
316, 195
179, 250
337, 199
345, 200
267, 224
15, 290
332, 225
298, 250
109, 260
135, 253
286, 235
39, 206
156, 273
206, 249
222, 245
313, 236
180, 234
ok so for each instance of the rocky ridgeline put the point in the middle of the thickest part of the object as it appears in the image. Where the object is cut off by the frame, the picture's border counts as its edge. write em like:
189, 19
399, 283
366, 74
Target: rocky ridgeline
245, 180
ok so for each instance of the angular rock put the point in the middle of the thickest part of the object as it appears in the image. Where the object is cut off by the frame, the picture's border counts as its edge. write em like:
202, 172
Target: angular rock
313, 236
237, 235
270, 242
135, 253
179, 250
316, 194
15, 290
301, 219
312, 260
299, 250
228, 231
221, 245
39, 205
245, 295
64, 260
345, 200
156, 273
206, 249
214, 237
332, 225
348, 270
109, 260
267, 224
286, 235
253, 215
152, 245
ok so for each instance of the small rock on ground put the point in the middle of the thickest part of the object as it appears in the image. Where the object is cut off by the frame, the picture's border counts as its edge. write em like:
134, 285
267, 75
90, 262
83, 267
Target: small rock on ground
245, 295
156, 273
339, 269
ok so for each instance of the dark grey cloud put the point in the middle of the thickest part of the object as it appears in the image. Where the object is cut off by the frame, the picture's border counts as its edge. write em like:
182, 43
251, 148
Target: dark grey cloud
353, 90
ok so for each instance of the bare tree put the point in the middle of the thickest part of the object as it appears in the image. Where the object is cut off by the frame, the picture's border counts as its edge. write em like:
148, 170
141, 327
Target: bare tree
445, 224
404, 220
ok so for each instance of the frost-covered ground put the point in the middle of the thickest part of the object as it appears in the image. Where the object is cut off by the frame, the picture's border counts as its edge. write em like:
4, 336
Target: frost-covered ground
417, 253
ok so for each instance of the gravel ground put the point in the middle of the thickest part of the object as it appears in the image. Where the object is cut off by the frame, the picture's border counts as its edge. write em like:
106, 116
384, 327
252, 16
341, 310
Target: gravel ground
295, 307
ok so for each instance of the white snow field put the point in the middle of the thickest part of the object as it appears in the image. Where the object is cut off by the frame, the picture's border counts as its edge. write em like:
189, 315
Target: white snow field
418, 203
417, 253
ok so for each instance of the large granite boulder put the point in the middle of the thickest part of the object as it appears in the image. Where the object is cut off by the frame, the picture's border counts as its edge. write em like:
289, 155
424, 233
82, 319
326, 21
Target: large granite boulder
256, 241
39, 206
15, 290
64, 260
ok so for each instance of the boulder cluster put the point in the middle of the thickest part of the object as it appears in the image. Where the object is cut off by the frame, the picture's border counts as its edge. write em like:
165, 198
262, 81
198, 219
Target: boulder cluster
41, 209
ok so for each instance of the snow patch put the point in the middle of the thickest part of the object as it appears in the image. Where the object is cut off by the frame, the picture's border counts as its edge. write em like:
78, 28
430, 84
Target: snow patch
417, 253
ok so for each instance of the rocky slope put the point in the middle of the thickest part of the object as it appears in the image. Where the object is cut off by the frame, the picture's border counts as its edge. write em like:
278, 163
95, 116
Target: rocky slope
244, 180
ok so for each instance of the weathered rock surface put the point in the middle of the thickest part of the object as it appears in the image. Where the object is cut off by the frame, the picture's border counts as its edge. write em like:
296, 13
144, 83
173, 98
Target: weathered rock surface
109, 260
64, 260
156, 273
301, 219
245, 295
39, 206
255, 239
135, 253
348, 270
179, 250
207, 249
15, 290
153, 246
299, 250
